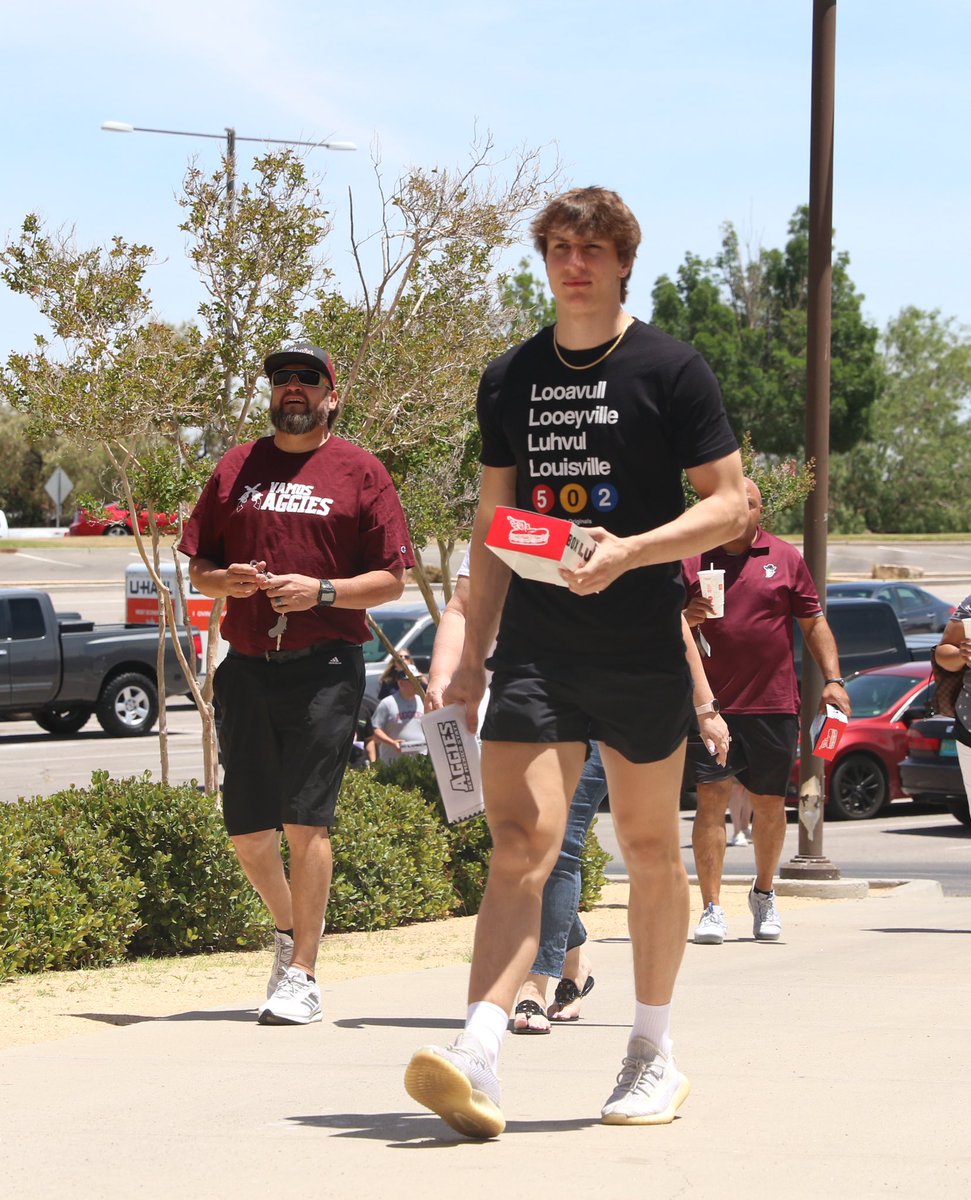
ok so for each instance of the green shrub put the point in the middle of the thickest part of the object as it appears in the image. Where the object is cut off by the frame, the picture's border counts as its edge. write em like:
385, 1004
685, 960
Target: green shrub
390, 858
470, 843
67, 899
194, 896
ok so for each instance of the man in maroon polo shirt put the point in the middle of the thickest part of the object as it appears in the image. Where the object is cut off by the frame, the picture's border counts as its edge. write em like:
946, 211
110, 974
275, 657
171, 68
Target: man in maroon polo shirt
753, 676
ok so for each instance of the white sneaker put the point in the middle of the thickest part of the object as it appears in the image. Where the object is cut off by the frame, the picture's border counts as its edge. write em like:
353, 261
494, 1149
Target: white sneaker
457, 1083
650, 1088
766, 922
282, 954
296, 1000
739, 839
712, 929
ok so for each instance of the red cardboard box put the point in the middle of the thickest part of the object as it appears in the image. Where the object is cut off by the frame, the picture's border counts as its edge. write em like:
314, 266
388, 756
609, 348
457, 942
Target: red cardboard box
536, 546
827, 730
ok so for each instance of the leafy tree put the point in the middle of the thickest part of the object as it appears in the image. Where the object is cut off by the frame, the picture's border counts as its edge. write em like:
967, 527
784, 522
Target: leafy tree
913, 474
429, 318
748, 318
257, 253
27, 465
525, 299
108, 376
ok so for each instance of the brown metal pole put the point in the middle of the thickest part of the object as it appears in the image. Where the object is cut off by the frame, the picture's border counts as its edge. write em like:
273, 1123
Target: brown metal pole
811, 862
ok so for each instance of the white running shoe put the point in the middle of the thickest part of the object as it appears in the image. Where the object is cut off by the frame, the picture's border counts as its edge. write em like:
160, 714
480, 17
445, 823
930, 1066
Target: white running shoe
296, 1000
457, 1083
739, 839
766, 922
282, 954
712, 929
650, 1088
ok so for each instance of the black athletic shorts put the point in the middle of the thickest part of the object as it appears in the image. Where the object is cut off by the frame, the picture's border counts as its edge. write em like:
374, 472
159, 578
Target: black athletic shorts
286, 734
643, 714
761, 755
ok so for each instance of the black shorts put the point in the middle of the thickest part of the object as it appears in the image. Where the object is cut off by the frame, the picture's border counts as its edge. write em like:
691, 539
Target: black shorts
644, 714
285, 736
761, 755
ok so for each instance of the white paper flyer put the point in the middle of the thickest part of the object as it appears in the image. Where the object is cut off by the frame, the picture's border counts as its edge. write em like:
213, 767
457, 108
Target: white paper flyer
455, 755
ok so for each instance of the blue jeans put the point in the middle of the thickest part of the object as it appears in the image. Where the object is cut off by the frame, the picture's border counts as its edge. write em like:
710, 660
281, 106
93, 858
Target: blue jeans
561, 928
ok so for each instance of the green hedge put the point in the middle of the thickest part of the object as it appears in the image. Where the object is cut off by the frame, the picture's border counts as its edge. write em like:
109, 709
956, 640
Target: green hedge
130, 867
470, 842
66, 898
390, 858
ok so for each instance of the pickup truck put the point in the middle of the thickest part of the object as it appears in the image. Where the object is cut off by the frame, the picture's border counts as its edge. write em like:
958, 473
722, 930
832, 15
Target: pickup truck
868, 634
59, 670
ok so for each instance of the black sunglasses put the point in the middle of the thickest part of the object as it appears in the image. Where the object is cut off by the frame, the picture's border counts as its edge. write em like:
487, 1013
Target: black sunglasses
308, 377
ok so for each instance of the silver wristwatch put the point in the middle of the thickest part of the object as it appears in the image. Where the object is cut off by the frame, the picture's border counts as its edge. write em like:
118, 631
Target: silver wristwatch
326, 593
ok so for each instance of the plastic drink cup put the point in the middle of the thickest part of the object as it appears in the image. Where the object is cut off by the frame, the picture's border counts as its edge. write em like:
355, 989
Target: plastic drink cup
966, 622
712, 584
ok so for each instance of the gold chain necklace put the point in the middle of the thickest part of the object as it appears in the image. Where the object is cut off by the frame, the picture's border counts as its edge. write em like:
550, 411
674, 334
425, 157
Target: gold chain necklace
597, 361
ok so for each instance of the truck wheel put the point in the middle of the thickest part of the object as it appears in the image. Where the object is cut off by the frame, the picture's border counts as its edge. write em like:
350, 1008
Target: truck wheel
128, 705
857, 788
63, 720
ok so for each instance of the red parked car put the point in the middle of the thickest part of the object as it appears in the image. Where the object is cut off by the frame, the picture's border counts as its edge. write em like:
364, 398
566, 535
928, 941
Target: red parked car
116, 522
864, 776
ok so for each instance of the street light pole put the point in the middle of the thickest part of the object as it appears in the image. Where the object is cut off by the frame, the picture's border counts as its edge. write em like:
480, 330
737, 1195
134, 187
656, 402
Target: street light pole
810, 862
231, 139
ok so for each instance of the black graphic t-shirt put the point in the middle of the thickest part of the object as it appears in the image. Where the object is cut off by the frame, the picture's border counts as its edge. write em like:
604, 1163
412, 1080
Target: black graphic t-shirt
605, 447
332, 513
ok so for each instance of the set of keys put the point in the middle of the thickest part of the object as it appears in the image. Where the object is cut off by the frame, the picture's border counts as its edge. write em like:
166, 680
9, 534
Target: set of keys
279, 628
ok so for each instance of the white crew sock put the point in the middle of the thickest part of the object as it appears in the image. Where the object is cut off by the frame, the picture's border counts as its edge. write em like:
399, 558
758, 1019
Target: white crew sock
488, 1023
653, 1021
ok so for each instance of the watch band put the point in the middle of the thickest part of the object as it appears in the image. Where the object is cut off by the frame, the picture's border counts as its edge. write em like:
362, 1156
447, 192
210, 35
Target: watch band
711, 707
836, 679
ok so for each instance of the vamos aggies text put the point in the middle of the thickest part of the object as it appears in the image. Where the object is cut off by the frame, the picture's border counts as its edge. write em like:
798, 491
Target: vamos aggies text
295, 498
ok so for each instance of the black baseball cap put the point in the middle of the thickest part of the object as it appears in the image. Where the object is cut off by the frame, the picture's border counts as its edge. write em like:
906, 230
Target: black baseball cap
306, 355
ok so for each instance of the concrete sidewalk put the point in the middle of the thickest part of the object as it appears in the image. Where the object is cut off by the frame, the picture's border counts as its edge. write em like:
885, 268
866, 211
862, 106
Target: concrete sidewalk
835, 1062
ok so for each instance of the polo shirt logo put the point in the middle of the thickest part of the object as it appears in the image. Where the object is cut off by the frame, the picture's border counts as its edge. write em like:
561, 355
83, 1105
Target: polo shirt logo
770, 570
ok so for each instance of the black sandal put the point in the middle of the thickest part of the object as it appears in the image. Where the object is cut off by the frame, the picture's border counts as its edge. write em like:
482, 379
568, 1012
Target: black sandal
529, 1009
566, 992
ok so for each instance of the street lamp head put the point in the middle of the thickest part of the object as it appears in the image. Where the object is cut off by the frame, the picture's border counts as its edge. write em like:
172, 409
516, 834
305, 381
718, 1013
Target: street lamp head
117, 127
339, 145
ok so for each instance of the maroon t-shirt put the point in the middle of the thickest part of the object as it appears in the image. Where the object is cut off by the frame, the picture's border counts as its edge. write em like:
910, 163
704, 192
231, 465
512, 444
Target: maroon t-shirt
751, 668
332, 513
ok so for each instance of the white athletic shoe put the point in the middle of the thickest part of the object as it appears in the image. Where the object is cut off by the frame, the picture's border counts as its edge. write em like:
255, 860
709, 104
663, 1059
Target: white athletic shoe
766, 922
282, 954
712, 929
650, 1088
296, 1000
457, 1083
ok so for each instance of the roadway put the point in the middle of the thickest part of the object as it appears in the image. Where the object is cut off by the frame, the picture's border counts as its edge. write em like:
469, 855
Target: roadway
87, 577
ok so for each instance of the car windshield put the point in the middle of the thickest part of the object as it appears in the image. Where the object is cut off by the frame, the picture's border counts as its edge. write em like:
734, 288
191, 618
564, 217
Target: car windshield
871, 695
394, 629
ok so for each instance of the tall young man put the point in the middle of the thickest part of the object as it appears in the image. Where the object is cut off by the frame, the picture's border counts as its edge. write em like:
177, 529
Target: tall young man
592, 420
301, 531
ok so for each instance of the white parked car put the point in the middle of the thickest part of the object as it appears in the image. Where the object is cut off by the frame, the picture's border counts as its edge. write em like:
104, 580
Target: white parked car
408, 626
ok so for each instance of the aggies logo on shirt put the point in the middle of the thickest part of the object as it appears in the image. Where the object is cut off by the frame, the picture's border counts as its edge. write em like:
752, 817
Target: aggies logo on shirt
286, 497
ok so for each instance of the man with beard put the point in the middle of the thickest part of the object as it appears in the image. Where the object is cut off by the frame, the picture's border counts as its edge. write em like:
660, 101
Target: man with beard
301, 532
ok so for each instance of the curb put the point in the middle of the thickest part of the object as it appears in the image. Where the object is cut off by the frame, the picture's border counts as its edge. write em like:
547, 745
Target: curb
825, 889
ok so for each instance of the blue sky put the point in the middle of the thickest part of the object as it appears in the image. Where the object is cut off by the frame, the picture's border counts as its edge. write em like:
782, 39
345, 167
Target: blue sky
696, 111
